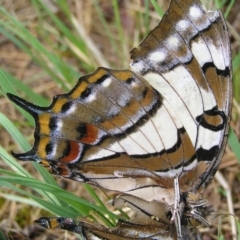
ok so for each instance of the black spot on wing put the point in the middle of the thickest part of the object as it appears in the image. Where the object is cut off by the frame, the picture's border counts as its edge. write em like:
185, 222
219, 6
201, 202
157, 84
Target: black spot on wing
49, 148
86, 93
66, 106
82, 129
207, 154
53, 123
224, 73
130, 80
102, 79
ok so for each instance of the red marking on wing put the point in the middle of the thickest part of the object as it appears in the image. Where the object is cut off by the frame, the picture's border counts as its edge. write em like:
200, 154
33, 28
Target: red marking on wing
75, 149
91, 134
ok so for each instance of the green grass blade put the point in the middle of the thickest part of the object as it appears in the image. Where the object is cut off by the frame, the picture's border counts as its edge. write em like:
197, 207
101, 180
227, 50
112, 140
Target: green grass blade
49, 61
12, 163
157, 8
113, 43
77, 203
2, 236
234, 143
10, 84
17, 136
50, 206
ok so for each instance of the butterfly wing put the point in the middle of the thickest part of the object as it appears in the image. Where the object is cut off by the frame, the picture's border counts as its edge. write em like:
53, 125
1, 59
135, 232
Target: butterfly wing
135, 131
139, 131
187, 59
105, 131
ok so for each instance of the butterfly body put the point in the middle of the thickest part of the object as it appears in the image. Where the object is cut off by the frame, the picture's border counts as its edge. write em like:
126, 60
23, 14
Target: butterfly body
154, 134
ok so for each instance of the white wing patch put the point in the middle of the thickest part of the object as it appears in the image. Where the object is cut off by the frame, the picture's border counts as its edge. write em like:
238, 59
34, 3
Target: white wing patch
191, 166
165, 127
98, 154
115, 147
216, 53
208, 138
201, 51
173, 42
106, 83
151, 133
161, 85
132, 147
195, 12
185, 86
142, 141
158, 56
182, 25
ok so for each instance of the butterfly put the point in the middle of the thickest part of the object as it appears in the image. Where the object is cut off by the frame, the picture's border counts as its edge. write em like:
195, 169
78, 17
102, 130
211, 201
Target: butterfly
155, 134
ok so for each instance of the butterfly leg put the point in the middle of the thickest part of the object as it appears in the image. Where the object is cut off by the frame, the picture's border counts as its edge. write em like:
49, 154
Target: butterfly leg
176, 209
